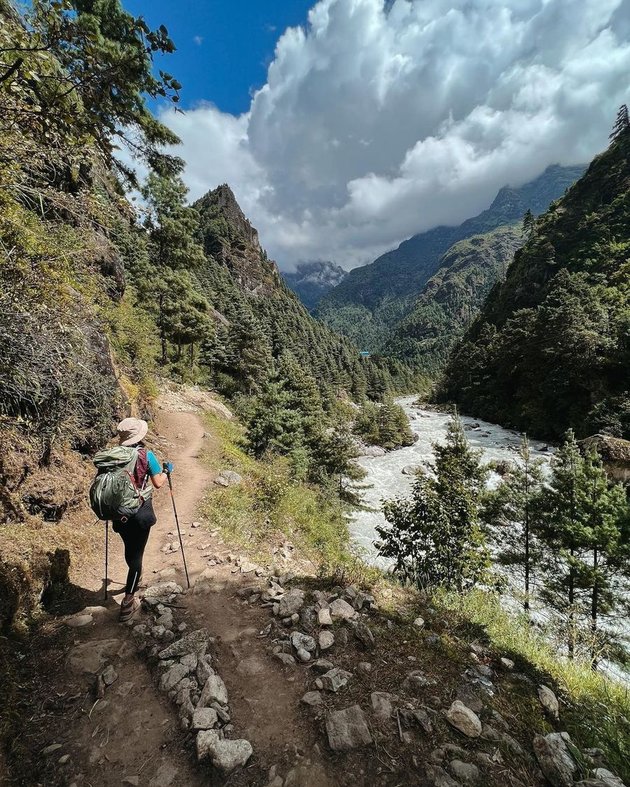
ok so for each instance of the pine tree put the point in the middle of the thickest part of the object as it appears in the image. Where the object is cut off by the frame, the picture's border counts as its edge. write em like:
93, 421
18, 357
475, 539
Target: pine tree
435, 537
622, 123
562, 516
272, 424
510, 508
605, 575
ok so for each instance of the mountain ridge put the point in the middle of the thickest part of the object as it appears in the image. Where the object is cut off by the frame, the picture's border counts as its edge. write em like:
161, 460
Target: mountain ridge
382, 293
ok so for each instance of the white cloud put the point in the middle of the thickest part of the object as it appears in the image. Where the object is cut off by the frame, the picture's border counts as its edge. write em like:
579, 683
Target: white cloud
198, 40
375, 124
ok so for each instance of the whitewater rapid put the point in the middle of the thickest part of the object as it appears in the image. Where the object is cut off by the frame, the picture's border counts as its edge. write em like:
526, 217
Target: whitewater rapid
385, 479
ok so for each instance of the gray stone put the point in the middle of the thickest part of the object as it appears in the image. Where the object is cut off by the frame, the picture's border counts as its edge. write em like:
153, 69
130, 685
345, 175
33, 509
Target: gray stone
363, 633
362, 600
204, 719
340, 609
424, 721
549, 701
172, 676
507, 664
335, 679
555, 758
225, 755
228, 478
190, 661
303, 641
286, 658
464, 719
109, 675
162, 590
438, 777
364, 667
324, 617
326, 640
419, 622
312, 698
213, 691
51, 748
291, 603
469, 697
204, 670
382, 704
303, 655
607, 778
466, 772
195, 642
347, 729
322, 665
498, 736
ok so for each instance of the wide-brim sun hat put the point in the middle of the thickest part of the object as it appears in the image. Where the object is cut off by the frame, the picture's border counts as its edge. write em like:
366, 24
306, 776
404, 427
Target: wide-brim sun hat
131, 430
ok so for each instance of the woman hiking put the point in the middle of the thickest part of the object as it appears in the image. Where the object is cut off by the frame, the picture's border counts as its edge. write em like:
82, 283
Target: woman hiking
134, 530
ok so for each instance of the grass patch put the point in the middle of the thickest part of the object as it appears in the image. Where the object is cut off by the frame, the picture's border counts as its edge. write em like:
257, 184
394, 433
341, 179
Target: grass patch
269, 508
598, 709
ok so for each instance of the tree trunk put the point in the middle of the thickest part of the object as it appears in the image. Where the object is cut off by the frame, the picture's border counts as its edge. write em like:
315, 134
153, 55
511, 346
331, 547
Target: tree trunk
162, 330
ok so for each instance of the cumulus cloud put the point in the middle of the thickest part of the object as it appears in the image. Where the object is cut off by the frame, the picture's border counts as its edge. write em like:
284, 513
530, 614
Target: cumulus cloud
381, 119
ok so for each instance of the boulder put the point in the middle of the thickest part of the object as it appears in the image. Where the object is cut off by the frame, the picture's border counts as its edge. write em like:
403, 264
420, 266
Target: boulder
464, 719
549, 701
326, 640
553, 752
312, 698
437, 777
465, 772
341, 610
323, 617
227, 755
228, 478
204, 719
335, 679
423, 720
213, 691
303, 642
195, 642
291, 603
364, 634
347, 729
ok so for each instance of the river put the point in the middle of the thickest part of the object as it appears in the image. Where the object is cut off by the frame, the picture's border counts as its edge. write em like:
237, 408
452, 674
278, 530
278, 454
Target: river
385, 478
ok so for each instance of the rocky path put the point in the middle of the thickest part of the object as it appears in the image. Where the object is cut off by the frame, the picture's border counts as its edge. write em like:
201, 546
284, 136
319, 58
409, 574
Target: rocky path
250, 679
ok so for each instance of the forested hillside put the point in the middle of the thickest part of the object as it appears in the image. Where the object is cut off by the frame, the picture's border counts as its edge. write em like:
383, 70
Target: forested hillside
453, 296
372, 300
550, 349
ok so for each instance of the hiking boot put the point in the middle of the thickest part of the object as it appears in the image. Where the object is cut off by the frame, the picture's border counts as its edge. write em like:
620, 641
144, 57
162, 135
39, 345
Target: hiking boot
128, 609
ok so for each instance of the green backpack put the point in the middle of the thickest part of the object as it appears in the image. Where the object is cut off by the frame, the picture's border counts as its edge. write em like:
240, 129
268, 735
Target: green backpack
114, 494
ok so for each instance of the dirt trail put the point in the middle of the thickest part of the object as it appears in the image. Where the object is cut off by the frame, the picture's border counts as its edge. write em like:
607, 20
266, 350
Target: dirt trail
131, 735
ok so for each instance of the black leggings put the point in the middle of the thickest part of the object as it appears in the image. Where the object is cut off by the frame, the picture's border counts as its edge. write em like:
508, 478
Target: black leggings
135, 534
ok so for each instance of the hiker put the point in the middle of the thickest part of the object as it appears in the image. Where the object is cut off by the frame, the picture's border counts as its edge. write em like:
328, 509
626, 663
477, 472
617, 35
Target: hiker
134, 529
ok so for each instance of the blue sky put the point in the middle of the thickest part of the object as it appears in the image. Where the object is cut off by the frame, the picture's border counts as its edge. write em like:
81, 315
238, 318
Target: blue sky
223, 46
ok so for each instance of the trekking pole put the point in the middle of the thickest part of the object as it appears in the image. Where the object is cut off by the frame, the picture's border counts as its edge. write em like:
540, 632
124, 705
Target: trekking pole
179, 532
106, 554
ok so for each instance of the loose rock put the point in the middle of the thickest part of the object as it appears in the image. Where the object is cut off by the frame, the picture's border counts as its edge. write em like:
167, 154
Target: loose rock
195, 642
464, 719
347, 729
549, 701
340, 609
324, 617
303, 641
312, 698
466, 772
204, 719
335, 679
326, 640
382, 704
213, 691
555, 758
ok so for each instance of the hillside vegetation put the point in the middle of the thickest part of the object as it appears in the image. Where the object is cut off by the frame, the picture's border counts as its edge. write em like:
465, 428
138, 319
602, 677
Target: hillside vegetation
372, 300
453, 297
550, 348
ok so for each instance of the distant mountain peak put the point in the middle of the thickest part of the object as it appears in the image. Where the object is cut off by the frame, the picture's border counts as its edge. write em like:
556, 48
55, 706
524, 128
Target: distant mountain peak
223, 199
312, 280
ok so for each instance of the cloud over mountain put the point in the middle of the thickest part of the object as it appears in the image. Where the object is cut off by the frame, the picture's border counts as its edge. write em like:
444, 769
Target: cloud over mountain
383, 119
